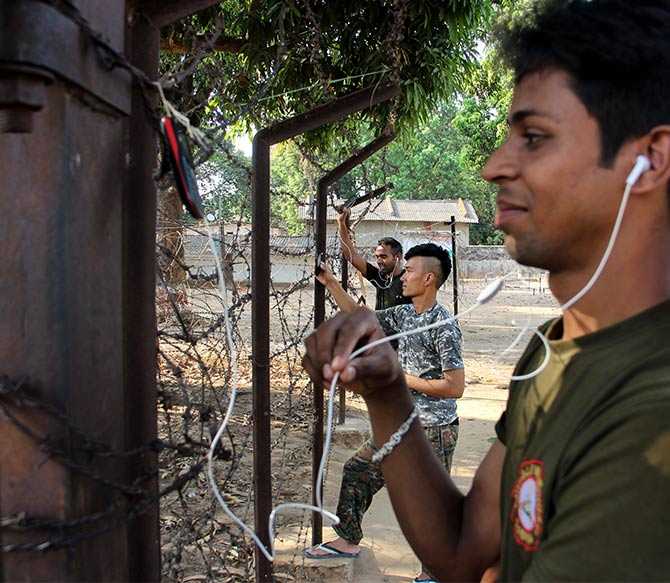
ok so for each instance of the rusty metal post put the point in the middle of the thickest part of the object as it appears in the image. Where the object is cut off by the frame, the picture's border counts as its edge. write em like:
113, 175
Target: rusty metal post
320, 297
260, 341
260, 278
77, 314
319, 317
139, 289
342, 409
454, 264
61, 219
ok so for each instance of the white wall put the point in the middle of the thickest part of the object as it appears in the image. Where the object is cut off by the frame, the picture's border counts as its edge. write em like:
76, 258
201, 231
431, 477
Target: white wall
474, 262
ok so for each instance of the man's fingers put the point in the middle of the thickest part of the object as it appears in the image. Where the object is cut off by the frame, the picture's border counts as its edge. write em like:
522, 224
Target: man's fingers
313, 370
329, 348
348, 375
362, 327
376, 368
321, 347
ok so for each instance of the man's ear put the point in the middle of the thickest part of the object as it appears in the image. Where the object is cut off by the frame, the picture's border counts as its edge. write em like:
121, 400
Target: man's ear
658, 152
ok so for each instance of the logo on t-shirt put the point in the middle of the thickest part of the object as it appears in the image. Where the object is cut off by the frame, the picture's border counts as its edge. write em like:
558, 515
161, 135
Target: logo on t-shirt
527, 510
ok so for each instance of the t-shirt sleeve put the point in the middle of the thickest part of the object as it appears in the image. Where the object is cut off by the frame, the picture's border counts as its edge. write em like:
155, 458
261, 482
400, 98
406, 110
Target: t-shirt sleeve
448, 341
388, 320
501, 428
371, 273
612, 508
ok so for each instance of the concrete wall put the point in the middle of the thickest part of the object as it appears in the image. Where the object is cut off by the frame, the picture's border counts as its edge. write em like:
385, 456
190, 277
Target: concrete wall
486, 261
474, 262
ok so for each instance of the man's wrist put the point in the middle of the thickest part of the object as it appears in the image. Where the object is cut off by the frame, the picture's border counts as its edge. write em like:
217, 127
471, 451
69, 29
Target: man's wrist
389, 396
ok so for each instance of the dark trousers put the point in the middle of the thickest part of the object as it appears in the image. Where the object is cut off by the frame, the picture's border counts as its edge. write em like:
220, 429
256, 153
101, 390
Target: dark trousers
362, 479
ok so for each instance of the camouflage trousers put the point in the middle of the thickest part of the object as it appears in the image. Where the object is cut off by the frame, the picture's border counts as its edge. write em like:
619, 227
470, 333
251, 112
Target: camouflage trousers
362, 479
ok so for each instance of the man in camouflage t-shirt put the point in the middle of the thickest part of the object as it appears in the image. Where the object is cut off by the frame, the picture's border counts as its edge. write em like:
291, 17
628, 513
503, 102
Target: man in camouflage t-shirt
433, 368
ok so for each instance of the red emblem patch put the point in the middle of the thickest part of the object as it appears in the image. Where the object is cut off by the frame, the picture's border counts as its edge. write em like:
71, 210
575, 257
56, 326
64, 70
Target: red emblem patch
527, 509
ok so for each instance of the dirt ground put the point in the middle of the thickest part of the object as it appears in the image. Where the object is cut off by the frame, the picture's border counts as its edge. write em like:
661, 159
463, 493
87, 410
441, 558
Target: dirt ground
487, 333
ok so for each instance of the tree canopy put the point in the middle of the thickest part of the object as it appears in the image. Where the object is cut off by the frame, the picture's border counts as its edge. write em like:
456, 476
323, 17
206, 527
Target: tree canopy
264, 60
248, 63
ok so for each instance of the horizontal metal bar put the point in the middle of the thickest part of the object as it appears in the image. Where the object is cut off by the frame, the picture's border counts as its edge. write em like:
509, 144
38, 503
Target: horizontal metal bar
352, 202
358, 158
327, 113
164, 12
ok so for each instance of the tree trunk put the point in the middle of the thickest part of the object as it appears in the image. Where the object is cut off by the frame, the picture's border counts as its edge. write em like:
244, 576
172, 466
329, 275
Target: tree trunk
170, 236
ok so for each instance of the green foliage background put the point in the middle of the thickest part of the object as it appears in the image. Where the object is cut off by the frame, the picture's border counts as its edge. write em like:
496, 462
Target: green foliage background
299, 53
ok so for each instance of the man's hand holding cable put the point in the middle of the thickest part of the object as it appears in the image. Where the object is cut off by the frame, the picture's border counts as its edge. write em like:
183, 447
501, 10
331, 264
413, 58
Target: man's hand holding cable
375, 374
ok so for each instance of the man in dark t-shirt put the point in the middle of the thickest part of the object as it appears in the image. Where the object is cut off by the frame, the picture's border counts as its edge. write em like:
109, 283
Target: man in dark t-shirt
385, 276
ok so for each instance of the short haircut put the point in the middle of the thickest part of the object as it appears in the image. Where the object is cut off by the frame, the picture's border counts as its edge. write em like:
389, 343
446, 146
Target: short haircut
437, 252
394, 244
617, 53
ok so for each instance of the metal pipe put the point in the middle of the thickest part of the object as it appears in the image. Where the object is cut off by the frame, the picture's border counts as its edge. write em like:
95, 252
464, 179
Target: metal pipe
260, 340
139, 289
320, 299
351, 203
454, 264
342, 410
62, 222
319, 317
284, 130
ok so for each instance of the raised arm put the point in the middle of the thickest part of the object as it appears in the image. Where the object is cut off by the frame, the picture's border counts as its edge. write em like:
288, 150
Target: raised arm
349, 250
343, 300
457, 537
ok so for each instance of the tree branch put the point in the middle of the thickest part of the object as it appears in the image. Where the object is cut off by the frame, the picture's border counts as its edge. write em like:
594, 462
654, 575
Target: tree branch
222, 44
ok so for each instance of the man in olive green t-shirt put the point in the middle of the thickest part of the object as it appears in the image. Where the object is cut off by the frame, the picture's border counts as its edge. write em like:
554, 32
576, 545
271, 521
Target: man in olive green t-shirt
577, 487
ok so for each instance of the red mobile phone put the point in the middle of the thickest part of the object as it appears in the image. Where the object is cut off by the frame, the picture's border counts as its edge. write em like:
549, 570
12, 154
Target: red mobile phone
179, 153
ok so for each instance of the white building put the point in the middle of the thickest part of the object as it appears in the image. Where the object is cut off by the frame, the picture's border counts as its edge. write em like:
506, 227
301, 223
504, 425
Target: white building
409, 221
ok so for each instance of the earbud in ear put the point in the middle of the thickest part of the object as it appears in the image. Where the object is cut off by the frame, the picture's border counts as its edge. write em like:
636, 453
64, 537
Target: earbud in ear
642, 164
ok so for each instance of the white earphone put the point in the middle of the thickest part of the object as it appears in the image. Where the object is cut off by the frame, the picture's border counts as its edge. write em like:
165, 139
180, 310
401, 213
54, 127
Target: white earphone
642, 164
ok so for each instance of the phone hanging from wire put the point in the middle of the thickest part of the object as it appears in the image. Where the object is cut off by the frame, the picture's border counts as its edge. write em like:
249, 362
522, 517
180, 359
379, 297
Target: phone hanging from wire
177, 134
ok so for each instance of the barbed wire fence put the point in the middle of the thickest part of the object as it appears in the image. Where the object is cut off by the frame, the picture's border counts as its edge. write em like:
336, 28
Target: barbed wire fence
194, 379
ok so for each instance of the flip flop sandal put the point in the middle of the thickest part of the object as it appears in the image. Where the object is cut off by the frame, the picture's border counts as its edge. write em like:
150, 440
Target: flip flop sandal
331, 553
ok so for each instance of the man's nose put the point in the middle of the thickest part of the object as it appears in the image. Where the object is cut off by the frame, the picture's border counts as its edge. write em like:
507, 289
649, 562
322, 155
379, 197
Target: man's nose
500, 166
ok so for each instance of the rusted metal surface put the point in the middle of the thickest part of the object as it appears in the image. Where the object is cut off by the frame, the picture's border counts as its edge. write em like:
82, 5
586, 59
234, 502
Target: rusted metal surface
320, 227
77, 290
454, 264
22, 94
366, 197
260, 341
52, 41
328, 113
139, 288
61, 221
342, 392
260, 279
